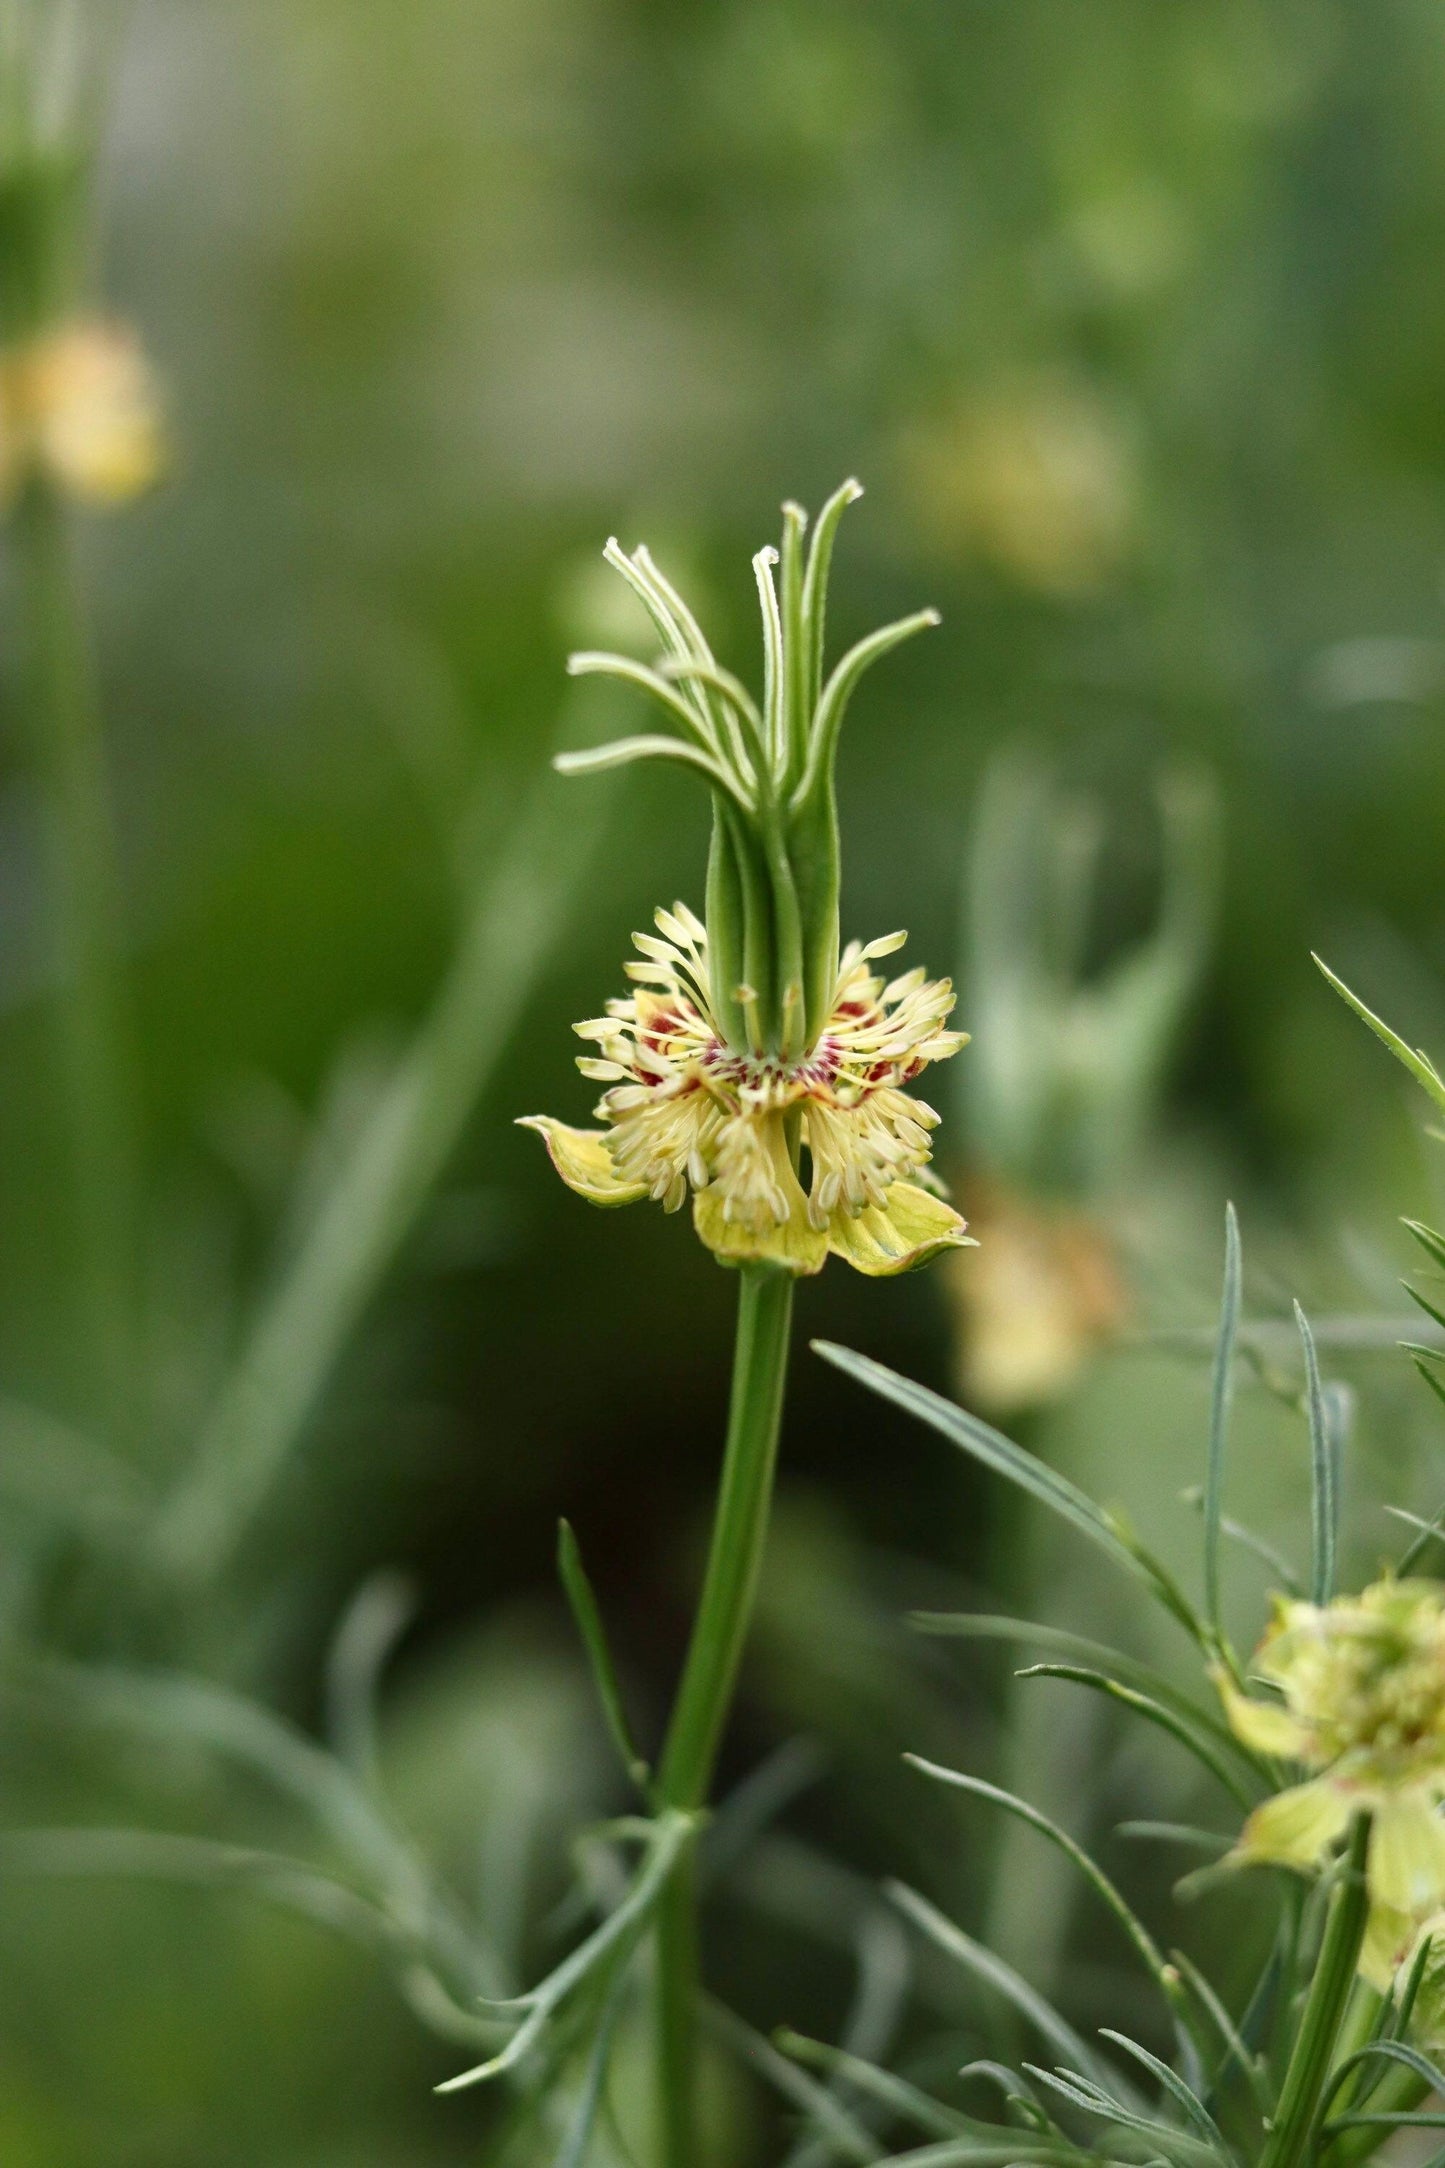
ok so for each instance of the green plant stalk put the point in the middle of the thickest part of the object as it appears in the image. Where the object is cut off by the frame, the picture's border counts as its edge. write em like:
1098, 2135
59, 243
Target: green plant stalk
740, 1526
95, 1060
1291, 2137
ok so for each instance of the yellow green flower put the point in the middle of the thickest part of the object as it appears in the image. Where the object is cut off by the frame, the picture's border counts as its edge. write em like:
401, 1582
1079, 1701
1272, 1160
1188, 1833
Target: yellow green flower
1361, 1685
755, 1068
78, 405
688, 1114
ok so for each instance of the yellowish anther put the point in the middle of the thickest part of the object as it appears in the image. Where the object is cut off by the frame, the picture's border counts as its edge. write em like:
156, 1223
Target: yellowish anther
79, 406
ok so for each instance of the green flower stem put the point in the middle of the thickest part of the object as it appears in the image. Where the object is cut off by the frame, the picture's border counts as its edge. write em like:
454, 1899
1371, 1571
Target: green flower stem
96, 1075
1291, 2138
760, 1361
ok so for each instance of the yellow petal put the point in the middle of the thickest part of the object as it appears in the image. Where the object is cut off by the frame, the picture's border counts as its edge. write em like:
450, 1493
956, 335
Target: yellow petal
797, 1245
582, 1159
1388, 1939
907, 1230
1263, 1725
1295, 1828
1407, 1854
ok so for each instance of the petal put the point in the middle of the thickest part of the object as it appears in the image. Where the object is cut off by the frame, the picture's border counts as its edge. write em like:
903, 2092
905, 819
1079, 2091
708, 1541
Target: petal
797, 1245
1263, 1725
1388, 1937
906, 1230
582, 1159
1295, 1828
1407, 1854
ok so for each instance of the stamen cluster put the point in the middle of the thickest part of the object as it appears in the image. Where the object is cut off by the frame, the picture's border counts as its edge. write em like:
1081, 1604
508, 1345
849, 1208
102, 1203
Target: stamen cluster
688, 1113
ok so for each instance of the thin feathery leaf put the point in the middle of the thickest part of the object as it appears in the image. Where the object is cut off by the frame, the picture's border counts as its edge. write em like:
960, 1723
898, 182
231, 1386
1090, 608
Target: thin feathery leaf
292, 1885
578, 2140
1429, 1532
1176, 2145
1324, 1491
1003, 2153
881, 2086
1238, 2054
1415, 1059
1005, 1458
666, 1837
1098, 1881
1016, 2092
1423, 1302
1220, 1394
1383, 2119
846, 2133
371, 1627
1193, 1729
1425, 1362
985, 1965
1385, 2051
1187, 1833
1429, 1238
1071, 1649
1173, 2084
588, 1618
1286, 1575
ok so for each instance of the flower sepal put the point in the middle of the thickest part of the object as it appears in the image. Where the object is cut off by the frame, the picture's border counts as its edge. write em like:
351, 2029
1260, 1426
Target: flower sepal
582, 1159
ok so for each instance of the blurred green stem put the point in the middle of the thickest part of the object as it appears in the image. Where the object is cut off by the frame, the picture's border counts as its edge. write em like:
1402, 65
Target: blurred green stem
379, 1188
96, 1075
740, 1527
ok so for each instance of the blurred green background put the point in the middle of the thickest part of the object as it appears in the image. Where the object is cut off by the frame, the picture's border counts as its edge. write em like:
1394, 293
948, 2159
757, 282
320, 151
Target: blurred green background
1130, 319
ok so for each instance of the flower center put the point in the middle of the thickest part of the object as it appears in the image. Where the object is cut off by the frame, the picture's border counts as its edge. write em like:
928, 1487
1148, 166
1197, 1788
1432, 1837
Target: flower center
1381, 1693
768, 1078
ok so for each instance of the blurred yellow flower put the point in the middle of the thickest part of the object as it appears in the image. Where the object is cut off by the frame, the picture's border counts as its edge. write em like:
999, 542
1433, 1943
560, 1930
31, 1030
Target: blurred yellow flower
1042, 1296
1037, 476
688, 1113
79, 406
1362, 1687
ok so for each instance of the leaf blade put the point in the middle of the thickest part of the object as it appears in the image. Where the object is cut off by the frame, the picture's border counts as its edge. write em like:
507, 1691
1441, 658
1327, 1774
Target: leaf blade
587, 1617
1419, 1064
983, 1443
1221, 1393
